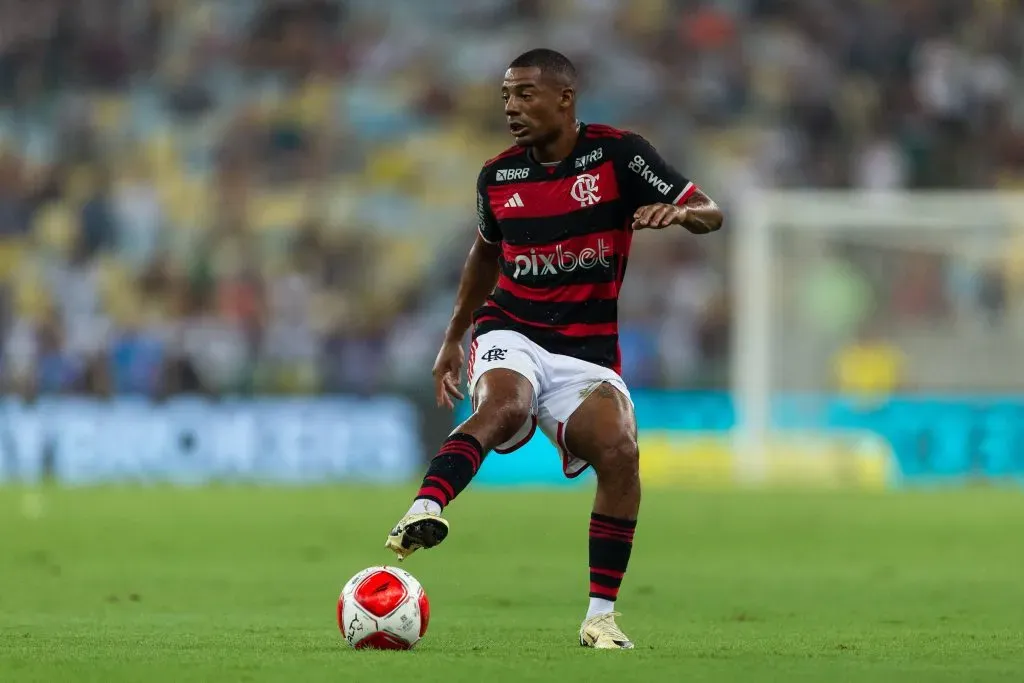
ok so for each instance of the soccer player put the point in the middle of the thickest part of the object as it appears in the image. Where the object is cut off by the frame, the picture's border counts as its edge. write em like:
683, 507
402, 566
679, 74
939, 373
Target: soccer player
540, 288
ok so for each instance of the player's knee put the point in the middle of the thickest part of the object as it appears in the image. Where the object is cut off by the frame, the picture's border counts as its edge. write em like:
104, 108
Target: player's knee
504, 415
620, 459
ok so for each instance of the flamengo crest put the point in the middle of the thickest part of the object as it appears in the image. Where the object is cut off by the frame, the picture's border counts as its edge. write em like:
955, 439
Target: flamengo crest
585, 189
494, 354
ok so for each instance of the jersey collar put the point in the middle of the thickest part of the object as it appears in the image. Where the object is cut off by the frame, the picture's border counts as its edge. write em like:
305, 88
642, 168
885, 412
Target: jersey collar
580, 127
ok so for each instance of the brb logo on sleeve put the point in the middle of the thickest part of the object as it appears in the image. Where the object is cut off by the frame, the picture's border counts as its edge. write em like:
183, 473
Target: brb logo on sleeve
562, 260
639, 166
505, 174
591, 158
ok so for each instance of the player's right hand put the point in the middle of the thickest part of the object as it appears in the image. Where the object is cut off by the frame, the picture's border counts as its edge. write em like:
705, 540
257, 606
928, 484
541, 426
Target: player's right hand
448, 373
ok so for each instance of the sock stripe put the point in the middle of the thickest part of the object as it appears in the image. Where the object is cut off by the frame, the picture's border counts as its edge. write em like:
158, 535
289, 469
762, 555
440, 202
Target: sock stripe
611, 543
597, 591
597, 524
457, 447
608, 532
451, 470
625, 533
611, 539
465, 451
605, 581
611, 573
614, 521
435, 494
443, 484
466, 438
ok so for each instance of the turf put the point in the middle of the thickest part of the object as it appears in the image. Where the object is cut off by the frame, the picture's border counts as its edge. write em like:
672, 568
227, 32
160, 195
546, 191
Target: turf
239, 584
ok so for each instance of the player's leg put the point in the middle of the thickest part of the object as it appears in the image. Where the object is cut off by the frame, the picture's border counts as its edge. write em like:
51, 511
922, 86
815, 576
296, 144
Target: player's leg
602, 432
588, 414
503, 408
504, 393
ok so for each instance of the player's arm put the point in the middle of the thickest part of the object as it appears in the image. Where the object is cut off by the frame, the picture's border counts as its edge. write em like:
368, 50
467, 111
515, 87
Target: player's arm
479, 276
661, 195
480, 273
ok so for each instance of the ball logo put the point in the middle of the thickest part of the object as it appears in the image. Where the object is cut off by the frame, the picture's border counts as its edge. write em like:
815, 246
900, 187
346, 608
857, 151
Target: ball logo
585, 189
561, 260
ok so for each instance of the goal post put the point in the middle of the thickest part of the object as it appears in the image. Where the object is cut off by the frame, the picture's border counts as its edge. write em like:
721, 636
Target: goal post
844, 297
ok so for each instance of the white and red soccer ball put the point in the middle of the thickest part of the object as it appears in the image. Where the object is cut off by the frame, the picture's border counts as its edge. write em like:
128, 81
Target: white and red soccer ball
383, 608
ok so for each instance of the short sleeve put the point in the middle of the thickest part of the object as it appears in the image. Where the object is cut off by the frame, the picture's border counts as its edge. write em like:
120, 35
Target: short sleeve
648, 178
486, 223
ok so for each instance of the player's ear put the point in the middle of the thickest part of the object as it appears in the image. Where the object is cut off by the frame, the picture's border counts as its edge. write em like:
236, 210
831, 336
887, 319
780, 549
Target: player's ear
568, 98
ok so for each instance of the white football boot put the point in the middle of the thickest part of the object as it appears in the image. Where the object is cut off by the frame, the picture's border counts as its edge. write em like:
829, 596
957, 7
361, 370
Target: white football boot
415, 531
601, 633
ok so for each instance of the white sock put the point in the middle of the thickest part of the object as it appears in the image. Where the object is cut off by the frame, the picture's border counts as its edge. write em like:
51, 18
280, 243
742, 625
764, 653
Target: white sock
599, 606
421, 505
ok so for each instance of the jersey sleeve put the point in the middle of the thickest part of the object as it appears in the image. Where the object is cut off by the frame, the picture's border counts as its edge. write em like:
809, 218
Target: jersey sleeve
486, 223
648, 178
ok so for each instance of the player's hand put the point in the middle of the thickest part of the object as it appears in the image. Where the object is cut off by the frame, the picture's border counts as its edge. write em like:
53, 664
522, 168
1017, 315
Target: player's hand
448, 373
657, 216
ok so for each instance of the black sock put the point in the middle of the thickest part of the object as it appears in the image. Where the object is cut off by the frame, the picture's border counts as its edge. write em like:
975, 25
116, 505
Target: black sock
611, 542
452, 468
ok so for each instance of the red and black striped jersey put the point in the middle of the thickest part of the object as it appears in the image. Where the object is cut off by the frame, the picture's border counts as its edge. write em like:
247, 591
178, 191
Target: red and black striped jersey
565, 231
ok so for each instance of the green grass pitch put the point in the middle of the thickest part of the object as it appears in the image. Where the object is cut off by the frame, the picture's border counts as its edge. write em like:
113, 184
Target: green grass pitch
240, 584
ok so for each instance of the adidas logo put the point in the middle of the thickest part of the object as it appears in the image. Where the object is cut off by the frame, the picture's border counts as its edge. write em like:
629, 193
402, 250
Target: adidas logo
515, 201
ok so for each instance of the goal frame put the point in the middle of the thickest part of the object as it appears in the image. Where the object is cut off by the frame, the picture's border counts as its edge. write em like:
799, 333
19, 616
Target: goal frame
760, 215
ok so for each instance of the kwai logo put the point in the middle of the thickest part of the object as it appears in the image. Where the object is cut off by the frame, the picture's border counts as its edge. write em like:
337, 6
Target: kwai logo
561, 260
640, 167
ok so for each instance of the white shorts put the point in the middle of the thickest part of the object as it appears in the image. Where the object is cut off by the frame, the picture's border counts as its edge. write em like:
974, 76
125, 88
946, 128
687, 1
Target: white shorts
560, 385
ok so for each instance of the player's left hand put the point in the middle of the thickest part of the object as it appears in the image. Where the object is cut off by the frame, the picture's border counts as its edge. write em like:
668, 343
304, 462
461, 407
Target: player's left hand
657, 216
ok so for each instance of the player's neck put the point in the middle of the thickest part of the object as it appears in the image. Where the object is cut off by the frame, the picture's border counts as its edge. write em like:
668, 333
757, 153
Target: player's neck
559, 148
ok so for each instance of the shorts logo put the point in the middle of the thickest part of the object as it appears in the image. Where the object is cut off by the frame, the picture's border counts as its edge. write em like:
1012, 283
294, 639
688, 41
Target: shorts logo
585, 189
493, 354
512, 174
639, 166
596, 155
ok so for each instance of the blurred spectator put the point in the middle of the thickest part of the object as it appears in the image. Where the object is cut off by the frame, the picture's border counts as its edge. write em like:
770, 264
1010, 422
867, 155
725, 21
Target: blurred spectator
273, 195
139, 216
137, 356
57, 369
15, 212
869, 368
98, 225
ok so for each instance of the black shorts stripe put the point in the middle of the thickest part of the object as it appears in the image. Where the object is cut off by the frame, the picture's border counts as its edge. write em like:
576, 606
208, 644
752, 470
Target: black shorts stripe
558, 312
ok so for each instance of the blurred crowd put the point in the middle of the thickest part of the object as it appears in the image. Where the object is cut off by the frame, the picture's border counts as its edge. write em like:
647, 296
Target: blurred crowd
276, 196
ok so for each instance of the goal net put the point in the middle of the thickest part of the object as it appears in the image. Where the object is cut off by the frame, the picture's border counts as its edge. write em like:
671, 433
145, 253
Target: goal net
869, 329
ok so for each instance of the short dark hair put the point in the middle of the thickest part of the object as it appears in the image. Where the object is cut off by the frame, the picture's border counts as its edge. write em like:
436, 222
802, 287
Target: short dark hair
550, 63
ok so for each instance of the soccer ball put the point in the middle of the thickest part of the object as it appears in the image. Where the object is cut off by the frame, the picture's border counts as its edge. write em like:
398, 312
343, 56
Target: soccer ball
383, 608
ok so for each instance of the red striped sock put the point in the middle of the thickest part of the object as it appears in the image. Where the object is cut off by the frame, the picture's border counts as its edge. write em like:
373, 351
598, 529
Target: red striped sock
611, 541
452, 469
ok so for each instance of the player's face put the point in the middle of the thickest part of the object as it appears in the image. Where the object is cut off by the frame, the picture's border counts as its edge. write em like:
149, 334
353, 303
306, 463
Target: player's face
534, 106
